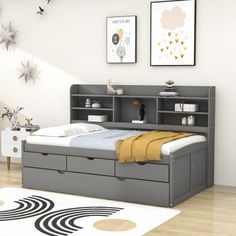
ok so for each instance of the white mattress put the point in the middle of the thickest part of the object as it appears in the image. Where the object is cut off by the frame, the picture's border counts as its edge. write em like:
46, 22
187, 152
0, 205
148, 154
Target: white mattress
96, 140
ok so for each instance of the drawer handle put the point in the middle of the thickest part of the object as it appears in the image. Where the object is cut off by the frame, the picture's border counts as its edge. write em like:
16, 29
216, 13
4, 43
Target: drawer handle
44, 154
121, 178
90, 158
15, 150
61, 172
141, 163
14, 138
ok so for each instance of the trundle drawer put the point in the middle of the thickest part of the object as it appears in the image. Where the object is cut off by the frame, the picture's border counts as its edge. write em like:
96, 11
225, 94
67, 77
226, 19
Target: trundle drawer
41, 160
146, 171
91, 165
139, 191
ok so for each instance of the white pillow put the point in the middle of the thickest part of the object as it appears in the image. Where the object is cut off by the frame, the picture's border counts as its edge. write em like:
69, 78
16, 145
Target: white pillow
89, 127
68, 130
59, 131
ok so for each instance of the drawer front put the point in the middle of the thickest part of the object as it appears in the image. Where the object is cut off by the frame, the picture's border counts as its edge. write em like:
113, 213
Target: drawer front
12, 150
138, 191
146, 171
91, 165
12, 137
48, 161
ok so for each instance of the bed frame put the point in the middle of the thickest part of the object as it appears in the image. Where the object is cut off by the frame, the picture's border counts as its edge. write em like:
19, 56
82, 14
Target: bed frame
96, 173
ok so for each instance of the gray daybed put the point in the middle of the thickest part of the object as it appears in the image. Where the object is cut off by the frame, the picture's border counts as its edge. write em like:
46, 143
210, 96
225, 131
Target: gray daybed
97, 173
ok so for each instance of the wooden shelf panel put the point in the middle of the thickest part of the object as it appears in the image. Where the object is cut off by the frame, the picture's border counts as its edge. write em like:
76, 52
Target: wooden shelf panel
134, 96
133, 125
184, 98
111, 96
109, 124
92, 109
139, 96
200, 129
184, 112
91, 95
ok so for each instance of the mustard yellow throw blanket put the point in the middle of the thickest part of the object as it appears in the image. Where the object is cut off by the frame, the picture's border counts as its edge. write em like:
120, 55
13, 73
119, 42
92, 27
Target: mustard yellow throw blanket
145, 146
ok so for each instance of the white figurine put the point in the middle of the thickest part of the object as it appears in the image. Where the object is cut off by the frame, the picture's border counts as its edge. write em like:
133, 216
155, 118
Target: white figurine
110, 89
88, 103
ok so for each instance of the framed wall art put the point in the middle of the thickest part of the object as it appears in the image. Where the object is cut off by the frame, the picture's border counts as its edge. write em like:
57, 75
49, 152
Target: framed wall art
122, 39
173, 33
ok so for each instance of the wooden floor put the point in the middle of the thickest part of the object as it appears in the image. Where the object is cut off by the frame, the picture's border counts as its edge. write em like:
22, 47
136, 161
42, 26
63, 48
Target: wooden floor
212, 212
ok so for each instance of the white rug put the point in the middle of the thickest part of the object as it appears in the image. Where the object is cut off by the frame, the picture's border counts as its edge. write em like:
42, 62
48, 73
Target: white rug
38, 213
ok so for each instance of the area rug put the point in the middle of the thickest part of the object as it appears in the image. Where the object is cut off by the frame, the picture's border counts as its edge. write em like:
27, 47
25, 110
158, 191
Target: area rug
37, 213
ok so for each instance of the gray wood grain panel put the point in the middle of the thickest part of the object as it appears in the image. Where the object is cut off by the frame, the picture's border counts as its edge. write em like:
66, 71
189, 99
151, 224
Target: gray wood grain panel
144, 90
211, 137
44, 160
198, 165
98, 186
107, 154
190, 149
147, 171
84, 152
49, 149
181, 175
129, 125
87, 152
91, 165
189, 194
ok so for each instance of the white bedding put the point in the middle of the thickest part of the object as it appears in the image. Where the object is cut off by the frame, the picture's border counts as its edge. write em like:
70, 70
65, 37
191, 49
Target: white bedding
68, 130
94, 141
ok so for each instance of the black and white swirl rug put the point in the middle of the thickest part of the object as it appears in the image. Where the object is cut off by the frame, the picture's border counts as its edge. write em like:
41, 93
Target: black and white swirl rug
33, 213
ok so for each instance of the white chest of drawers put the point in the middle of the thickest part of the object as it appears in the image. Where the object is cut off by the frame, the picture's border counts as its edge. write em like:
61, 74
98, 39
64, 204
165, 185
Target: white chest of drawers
11, 143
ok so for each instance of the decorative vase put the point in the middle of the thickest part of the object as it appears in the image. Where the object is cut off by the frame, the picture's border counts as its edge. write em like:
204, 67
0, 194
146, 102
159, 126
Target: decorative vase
184, 121
96, 104
191, 120
15, 124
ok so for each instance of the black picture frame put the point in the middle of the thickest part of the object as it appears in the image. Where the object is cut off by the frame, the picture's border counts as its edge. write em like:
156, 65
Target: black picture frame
133, 41
194, 18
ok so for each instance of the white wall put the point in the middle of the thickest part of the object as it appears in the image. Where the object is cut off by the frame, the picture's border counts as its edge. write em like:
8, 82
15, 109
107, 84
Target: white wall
68, 43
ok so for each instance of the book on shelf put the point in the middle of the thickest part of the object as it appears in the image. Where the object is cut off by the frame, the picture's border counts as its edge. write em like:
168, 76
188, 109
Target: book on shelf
139, 121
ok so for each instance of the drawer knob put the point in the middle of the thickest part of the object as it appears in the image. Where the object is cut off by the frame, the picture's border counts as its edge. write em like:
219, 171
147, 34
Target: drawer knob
14, 138
61, 172
15, 149
90, 158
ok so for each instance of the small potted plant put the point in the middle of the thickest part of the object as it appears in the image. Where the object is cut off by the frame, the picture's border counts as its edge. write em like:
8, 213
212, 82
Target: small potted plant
12, 116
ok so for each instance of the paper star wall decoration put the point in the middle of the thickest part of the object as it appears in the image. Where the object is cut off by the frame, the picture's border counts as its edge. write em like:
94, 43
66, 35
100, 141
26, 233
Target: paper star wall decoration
7, 35
41, 11
28, 71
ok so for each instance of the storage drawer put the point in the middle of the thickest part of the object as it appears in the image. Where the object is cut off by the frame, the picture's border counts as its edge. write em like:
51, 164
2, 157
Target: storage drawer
48, 161
11, 150
146, 171
13, 137
139, 191
91, 165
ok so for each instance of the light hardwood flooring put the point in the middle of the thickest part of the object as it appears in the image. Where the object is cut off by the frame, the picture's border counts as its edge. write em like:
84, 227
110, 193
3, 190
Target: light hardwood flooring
211, 212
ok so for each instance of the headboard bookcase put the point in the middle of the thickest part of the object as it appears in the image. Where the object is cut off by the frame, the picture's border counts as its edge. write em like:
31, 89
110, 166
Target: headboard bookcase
160, 112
